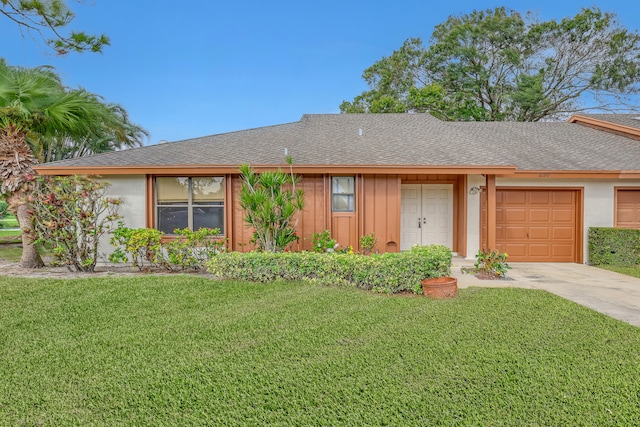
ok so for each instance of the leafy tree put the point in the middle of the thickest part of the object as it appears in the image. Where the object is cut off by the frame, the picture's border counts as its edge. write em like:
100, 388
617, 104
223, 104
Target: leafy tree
115, 132
498, 65
48, 19
271, 203
35, 107
72, 213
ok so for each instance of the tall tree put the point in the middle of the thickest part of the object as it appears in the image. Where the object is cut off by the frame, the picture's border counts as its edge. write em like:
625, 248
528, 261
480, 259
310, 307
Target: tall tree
34, 105
115, 133
498, 65
48, 19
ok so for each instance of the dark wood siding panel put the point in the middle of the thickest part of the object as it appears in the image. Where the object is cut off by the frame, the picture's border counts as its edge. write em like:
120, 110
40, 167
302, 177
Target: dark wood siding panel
344, 229
241, 233
313, 217
311, 220
381, 210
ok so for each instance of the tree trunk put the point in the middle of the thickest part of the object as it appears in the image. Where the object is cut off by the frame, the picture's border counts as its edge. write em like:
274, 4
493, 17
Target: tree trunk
30, 256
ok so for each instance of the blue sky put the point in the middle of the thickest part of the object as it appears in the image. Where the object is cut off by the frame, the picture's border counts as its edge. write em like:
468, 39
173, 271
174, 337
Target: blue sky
190, 69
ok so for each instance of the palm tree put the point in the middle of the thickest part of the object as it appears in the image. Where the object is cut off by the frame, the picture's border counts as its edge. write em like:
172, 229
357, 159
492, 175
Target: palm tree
116, 134
35, 107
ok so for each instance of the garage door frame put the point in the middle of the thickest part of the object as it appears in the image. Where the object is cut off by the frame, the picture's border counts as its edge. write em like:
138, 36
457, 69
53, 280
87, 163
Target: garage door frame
579, 222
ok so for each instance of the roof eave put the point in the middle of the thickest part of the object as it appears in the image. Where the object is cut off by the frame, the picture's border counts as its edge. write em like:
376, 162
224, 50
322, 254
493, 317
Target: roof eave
309, 169
606, 126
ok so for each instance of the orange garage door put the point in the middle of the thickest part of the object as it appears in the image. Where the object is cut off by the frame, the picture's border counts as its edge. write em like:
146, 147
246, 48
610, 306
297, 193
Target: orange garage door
628, 209
537, 225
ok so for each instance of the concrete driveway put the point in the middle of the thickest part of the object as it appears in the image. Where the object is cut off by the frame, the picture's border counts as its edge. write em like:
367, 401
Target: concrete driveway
610, 293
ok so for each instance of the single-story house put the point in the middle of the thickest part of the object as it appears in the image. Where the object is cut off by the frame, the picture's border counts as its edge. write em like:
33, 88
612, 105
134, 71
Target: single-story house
529, 189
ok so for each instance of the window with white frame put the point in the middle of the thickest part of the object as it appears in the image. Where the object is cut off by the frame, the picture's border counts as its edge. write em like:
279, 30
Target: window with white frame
193, 202
343, 198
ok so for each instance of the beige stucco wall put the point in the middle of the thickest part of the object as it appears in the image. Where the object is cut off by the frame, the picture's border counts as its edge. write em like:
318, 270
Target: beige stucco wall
132, 190
598, 209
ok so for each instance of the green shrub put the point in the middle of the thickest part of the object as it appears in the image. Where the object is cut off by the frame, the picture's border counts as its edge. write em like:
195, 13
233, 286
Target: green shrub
614, 246
389, 272
271, 205
491, 263
141, 246
322, 242
144, 247
71, 214
368, 243
190, 250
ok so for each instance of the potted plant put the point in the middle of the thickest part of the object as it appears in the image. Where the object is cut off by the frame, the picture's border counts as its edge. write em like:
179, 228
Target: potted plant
491, 264
440, 287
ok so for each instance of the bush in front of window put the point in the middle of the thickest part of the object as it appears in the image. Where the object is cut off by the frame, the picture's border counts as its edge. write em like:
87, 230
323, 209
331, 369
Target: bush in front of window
190, 250
388, 272
145, 248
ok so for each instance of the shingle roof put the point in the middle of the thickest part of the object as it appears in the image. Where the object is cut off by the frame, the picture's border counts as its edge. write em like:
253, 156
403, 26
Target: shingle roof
392, 139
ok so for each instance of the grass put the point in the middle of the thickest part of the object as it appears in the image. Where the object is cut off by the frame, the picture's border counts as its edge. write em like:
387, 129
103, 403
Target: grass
179, 350
628, 270
10, 233
11, 253
9, 221
13, 234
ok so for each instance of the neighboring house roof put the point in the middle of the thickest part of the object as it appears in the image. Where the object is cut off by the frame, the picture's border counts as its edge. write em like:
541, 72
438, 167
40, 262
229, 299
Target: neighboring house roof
385, 140
622, 124
629, 120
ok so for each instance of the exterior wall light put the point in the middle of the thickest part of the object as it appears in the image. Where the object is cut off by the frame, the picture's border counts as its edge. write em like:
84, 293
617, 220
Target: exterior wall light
474, 190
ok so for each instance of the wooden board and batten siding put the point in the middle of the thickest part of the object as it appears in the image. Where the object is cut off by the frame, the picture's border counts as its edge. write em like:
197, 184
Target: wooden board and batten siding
377, 210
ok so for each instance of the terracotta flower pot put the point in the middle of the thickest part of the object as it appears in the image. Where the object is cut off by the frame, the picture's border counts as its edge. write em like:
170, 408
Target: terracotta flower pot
440, 287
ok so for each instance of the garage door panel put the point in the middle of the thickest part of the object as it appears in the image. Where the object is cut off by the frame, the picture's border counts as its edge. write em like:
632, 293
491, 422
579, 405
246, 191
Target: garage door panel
628, 215
563, 215
628, 208
563, 198
539, 215
514, 232
513, 198
514, 250
539, 250
562, 233
540, 225
514, 215
563, 251
537, 233
539, 198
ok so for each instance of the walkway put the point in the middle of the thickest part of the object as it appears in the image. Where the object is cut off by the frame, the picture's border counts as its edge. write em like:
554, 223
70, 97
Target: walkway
614, 294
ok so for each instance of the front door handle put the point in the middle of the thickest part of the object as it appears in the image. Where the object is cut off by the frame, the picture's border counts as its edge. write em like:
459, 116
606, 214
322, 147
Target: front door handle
419, 223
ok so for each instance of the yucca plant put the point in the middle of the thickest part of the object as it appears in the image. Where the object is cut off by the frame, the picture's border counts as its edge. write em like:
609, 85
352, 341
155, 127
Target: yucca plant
271, 204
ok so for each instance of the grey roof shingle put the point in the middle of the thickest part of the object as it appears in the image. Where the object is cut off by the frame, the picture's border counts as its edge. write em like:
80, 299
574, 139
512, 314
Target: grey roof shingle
392, 139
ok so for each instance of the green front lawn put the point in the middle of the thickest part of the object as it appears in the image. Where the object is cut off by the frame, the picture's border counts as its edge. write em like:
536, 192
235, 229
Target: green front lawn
629, 270
179, 350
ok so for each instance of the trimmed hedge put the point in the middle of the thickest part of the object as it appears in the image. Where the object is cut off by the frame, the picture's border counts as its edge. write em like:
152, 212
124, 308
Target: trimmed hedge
614, 246
389, 272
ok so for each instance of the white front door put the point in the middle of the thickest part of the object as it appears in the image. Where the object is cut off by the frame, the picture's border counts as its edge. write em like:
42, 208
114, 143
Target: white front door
426, 215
